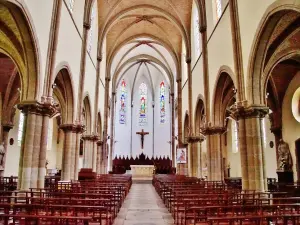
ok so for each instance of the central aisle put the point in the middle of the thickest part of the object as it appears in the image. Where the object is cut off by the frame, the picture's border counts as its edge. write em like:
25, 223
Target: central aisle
143, 206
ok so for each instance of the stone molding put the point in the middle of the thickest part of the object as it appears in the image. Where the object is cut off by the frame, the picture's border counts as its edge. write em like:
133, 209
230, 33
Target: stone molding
34, 107
99, 143
91, 137
75, 128
253, 111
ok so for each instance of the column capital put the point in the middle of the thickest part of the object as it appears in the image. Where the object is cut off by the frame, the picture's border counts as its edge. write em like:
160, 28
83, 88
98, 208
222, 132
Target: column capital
209, 130
107, 79
35, 107
178, 79
195, 138
99, 58
188, 60
7, 126
252, 111
172, 94
75, 128
113, 93
202, 29
86, 25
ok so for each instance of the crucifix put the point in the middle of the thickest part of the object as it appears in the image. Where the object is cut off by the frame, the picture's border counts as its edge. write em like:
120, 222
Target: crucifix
142, 133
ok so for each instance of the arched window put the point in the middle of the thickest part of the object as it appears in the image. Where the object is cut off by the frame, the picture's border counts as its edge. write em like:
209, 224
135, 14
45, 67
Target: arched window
235, 139
20, 129
218, 6
196, 32
143, 104
90, 38
123, 96
162, 103
71, 5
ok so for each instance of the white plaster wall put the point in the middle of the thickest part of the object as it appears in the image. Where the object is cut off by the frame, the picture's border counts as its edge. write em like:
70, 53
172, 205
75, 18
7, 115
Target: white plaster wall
290, 126
250, 14
69, 48
13, 151
198, 83
194, 29
41, 13
77, 14
220, 52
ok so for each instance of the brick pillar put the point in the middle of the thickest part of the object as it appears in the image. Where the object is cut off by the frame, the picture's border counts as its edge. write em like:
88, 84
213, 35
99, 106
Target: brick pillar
251, 145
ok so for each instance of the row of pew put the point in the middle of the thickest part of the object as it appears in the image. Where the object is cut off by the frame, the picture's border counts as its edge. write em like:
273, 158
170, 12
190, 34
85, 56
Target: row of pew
86, 202
194, 201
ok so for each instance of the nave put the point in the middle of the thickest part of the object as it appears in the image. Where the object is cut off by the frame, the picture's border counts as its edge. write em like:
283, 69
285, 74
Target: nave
143, 206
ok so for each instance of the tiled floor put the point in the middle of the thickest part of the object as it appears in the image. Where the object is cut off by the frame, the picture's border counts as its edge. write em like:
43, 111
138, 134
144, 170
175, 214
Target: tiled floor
143, 206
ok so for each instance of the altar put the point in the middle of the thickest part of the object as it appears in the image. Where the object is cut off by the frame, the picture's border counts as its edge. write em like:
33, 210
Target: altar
142, 171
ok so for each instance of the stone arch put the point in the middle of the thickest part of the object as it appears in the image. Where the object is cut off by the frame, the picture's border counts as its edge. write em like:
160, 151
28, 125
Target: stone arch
87, 114
18, 41
261, 53
64, 92
224, 97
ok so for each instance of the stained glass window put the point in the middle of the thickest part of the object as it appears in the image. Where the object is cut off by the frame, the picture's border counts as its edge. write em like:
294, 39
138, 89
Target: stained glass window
162, 103
219, 8
20, 129
196, 32
143, 104
90, 38
71, 5
123, 96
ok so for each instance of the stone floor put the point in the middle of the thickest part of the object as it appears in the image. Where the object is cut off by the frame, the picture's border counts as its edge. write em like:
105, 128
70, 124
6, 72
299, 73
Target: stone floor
143, 206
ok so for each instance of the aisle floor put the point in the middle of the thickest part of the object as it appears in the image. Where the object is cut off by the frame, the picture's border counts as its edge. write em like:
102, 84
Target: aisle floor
143, 206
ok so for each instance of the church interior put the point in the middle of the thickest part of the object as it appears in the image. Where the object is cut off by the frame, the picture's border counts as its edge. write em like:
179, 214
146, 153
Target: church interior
126, 112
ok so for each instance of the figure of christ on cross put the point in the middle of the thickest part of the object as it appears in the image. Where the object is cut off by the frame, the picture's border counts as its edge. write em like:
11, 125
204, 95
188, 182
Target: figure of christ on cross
142, 133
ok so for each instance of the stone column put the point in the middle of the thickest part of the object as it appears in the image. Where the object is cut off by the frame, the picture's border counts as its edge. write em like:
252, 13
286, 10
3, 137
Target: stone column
112, 136
180, 167
67, 151
173, 130
199, 147
34, 143
6, 128
79, 129
252, 147
88, 151
105, 126
95, 139
99, 157
214, 152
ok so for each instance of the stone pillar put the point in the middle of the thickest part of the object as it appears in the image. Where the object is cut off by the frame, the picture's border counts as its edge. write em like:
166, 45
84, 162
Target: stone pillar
214, 152
79, 129
180, 167
67, 151
173, 130
252, 147
6, 128
199, 147
95, 139
34, 143
99, 157
112, 132
105, 126
88, 151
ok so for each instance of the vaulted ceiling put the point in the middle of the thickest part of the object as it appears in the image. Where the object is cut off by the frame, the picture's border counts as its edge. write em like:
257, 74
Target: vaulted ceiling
151, 31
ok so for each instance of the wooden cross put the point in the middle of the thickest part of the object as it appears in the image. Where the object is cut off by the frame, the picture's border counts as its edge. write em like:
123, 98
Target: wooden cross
142, 133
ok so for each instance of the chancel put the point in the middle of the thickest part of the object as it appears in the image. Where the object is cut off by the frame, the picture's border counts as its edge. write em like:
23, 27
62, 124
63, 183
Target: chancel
149, 112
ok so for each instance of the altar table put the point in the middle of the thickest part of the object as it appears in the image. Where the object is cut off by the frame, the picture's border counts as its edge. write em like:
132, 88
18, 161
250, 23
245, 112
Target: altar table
142, 171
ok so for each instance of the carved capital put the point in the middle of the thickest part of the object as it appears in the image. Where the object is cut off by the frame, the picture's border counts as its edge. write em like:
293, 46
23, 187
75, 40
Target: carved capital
107, 79
178, 80
253, 111
75, 128
99, 58
7, 127
34, 107
188, 60
203, 28
86, 25
195, 138
213, 130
